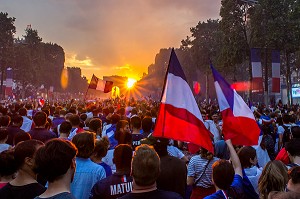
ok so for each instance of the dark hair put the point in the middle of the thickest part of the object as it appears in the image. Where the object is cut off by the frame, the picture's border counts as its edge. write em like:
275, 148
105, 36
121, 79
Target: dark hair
123, 156
286, 118
23, 111
19, 137
294, 174
4, 120
145, 165
17, 119
147, 124
101, 147
295, 131
75, 120
122, 137
65, 127
40, 118
293, 147
115, 118
55, 158
7, 163
204, 153
245, 154
95, 124
136, 122
223, 174
3, 133
122, 111
83, 116
161, 146
85, 143
25, 149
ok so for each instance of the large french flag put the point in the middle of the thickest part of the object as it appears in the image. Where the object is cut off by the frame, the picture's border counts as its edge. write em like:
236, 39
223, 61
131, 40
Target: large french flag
239, 123
179, 117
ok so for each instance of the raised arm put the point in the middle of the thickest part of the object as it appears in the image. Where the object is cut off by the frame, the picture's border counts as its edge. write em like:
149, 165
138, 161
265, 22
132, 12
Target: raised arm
234, 159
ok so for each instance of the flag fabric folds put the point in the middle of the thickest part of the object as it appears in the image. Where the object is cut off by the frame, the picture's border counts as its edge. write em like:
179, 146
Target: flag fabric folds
179, 117
239, 123
257, 80
100, 85
275, 71
9, 82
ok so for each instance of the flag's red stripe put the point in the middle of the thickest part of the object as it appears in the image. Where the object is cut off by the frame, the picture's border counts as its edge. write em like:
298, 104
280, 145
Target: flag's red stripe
241, 130
275, 85
179, 124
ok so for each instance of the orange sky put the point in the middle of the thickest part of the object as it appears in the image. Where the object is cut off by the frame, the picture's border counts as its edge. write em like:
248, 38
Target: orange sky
111, 37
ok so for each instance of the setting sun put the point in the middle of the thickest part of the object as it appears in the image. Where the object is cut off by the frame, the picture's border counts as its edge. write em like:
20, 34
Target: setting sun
130, 82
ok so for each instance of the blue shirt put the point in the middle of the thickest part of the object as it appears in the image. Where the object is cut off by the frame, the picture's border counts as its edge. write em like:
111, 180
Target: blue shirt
237, 185
86, 175
107, 169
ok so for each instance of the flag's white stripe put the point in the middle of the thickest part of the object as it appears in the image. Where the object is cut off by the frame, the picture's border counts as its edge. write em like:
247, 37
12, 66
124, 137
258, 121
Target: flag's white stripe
223, 104
240, 108
100, 85
256, 69
276, 70
178, 93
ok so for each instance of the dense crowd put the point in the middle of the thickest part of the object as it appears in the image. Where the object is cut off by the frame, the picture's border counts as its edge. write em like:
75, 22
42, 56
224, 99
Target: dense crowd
105, 149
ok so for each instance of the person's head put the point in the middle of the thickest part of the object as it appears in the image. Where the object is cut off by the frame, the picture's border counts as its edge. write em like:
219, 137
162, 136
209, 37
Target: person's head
122, 134
122, 156
24, 154
17, 120
247, 156
294, 181
55, 159
4, 121
101, 147
74, 120
295, 132
283, 195
40, 119
215, 116
3, 135
223, 174
65, 127
147, 124
286, 118
85, 143
115, 118
23, 111
293, 149
95, 125
160, 145
204, 153
19, 137
8, 166
135, 122
273, 178
145, 165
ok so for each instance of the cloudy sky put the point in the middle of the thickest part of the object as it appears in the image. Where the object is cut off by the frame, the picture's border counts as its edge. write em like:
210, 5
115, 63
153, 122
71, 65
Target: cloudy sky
111, 37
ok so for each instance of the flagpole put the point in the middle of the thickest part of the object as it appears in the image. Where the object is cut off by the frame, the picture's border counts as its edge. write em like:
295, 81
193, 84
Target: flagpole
87, 90
163, 90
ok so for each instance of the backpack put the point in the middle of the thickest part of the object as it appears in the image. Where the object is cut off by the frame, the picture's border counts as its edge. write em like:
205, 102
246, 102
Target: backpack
286, 134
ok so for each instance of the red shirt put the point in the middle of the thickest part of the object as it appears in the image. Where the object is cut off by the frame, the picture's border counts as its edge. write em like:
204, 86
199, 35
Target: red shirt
283, 156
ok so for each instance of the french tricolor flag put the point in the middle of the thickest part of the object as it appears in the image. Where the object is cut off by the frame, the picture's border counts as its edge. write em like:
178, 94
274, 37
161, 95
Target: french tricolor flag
239, 123
179, 117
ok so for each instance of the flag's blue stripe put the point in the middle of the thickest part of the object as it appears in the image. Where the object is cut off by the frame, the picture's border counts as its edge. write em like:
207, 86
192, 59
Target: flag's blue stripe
255, 55
275, 56
175, 67
9, 74
225, 86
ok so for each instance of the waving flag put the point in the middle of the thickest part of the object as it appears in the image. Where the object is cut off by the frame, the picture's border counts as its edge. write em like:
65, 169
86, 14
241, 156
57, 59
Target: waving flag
100, 85
179, 117
239, 123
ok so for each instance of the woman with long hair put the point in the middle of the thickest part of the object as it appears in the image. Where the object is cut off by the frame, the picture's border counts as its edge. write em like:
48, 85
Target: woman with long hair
274, 177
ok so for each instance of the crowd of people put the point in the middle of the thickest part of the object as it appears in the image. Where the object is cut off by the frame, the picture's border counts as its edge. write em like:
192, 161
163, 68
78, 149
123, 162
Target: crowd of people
105, 149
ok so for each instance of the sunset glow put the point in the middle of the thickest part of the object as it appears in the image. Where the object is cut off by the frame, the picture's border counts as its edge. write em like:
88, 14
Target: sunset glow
130, 83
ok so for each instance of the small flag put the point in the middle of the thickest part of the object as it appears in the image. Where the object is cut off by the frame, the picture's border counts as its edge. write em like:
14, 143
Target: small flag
41, 102
275, 71
100, 85
9, 82
239, 123
179, 117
